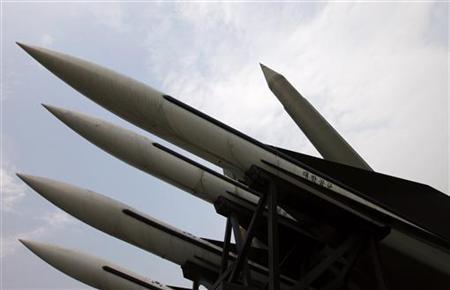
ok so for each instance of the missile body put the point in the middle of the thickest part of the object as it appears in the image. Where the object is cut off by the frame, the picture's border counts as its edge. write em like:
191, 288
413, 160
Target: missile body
182, 125
91, 270
322, 135
158, 160
129, 225
206, 137
190, 129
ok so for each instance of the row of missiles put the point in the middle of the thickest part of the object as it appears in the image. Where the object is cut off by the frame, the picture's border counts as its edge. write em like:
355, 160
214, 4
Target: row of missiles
132, 226
192, 130
93, 271
165, 117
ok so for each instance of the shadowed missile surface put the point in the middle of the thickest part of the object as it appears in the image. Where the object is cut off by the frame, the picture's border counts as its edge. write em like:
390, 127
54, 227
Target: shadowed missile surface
91, 270
322, 135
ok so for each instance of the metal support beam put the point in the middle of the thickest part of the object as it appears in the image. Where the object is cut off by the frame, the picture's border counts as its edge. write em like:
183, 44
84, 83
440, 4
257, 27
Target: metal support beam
236, 232
248, 238
375, 253
221, 278
273, 245
195, 285
319, 269
239, 237
226, 246
342, 276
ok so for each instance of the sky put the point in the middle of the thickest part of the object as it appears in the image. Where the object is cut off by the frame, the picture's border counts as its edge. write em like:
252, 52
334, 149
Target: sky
378, 72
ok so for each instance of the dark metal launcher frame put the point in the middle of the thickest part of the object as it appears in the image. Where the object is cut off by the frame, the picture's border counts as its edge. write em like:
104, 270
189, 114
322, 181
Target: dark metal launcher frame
328, 262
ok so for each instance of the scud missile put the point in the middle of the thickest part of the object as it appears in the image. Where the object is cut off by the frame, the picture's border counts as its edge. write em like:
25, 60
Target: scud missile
330, 144
158, 160
93, 271
214, 141
139, 229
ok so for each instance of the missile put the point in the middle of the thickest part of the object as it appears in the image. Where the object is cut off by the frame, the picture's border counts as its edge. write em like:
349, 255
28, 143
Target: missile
330, 144
125, 223
180, 124
232, 150
158, 160
128, 224
202, 135
93, 271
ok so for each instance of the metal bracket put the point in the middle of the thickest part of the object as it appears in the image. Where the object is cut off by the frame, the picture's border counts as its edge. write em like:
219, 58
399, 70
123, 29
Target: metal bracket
350, 244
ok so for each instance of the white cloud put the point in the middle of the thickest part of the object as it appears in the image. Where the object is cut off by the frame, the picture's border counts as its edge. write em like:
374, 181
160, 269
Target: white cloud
13, 194
57, 219
110, 15
51, 222
46, 40
12, 190
369, 69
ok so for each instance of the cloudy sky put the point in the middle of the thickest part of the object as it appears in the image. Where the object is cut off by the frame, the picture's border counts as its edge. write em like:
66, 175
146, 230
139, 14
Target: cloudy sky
377, 72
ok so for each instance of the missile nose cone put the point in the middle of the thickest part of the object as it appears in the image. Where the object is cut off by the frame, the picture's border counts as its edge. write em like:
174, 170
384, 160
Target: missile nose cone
23, 177
30, 180
269, 74
82, 124
47, 188
21, 45
28, 48
29, 244
24, 242
57, 112
37, 248
38, 53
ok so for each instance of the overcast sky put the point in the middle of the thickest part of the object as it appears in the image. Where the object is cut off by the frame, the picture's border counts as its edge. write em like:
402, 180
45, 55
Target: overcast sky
377, 72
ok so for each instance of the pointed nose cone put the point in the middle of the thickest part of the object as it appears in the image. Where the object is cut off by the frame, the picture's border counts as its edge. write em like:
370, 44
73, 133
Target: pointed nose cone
54, 110
70, 118
40, 249
82, 267
91, 270
58, 257
47, 188
28, 244
95, 209
35, 52
125, 97
87, 126
121, 143
25, 47
269, 74
51, 60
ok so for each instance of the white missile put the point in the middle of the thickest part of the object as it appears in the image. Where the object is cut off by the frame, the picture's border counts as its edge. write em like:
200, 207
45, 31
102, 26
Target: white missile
194, 131
214, 141
93, 271
134, 227
158, 160
330, 144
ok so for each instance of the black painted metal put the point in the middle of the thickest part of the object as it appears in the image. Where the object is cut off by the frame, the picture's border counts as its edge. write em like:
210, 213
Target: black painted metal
239, 237
342, 276
226, 246
248, 238
330, 269
382, 285
274, 270
310, 277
